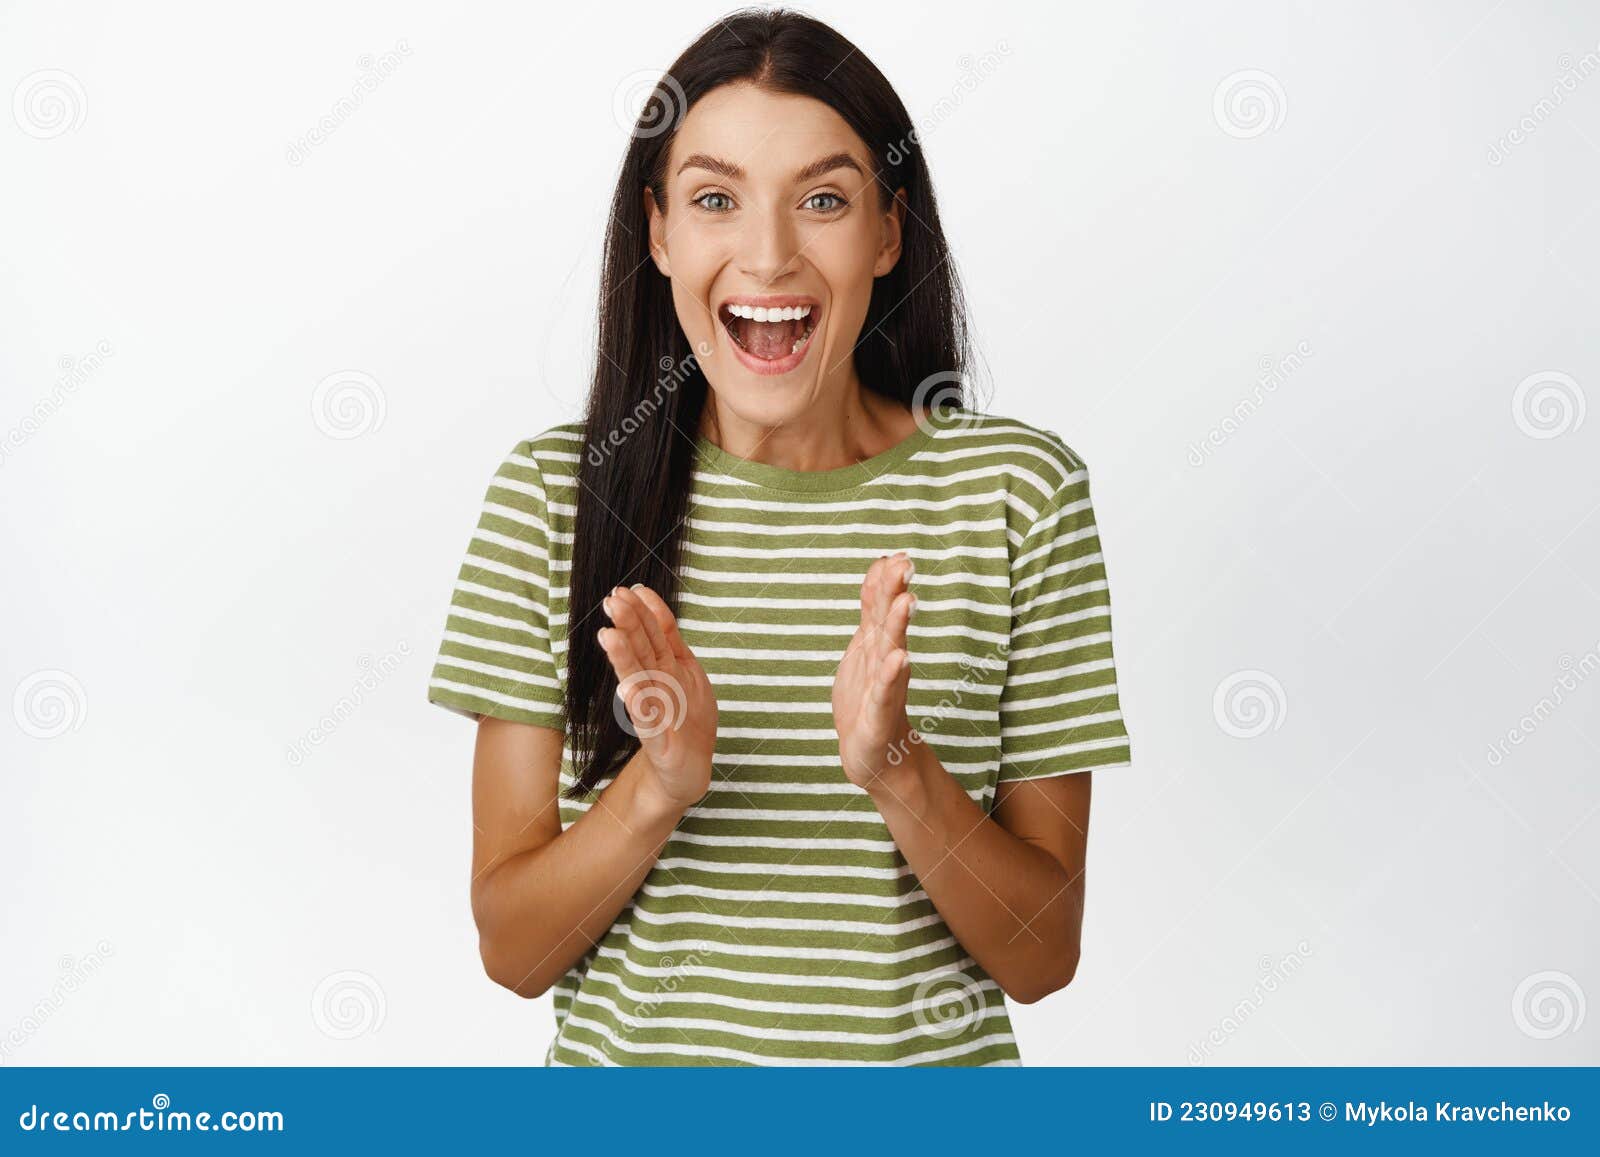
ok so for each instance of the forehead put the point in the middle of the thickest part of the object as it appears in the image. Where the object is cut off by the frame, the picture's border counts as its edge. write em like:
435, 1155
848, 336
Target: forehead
768, 134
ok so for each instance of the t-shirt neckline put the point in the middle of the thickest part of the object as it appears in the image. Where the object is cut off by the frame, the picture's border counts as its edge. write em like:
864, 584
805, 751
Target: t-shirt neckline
716, 458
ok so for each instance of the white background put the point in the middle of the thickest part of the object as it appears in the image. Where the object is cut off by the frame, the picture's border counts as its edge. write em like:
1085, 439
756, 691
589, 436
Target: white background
1386, 535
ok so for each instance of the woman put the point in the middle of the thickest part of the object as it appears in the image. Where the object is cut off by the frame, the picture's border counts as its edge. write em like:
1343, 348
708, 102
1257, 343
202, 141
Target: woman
739, 797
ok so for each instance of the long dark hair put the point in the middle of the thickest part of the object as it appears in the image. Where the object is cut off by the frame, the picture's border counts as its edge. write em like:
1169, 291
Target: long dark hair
645, 403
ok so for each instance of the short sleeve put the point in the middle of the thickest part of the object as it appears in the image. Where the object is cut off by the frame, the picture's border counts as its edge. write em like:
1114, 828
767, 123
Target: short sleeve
496, 656
1059, 708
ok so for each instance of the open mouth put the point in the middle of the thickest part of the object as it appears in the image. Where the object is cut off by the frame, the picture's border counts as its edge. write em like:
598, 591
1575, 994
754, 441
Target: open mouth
770, 333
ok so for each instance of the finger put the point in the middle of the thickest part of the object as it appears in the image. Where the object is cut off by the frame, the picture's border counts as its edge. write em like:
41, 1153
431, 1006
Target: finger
894, 578
899, 619
660, 652
631, 677
628, 622
893, 571
667, 621
902, 679
618, 653
893, 673
874, 604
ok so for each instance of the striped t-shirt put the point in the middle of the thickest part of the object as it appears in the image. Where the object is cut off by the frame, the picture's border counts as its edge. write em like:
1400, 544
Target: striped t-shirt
780, 924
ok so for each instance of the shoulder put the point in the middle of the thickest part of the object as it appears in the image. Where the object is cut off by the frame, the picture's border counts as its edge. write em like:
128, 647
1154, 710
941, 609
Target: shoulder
534, 477
1037, 462
554, 451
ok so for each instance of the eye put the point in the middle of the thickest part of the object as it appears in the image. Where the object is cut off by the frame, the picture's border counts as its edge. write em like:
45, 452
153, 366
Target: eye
834, 201
714, 202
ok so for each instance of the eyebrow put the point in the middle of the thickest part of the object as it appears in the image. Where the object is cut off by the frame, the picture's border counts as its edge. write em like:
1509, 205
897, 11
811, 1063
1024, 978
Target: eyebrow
734, 173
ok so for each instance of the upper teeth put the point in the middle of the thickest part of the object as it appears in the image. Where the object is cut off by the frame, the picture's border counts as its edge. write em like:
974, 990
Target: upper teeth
760, 313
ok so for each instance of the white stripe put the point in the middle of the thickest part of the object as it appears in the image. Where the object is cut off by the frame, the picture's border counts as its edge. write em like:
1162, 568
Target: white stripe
733, 1029
766, 980
641, 937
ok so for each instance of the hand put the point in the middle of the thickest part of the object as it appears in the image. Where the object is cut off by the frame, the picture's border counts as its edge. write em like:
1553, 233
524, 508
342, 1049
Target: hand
670, 704
869, 689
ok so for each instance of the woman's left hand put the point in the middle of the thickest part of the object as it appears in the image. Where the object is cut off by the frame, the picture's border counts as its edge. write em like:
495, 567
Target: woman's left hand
869, 689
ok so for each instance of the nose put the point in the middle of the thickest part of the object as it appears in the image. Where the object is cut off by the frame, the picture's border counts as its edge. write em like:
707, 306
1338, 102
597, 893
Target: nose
769, 246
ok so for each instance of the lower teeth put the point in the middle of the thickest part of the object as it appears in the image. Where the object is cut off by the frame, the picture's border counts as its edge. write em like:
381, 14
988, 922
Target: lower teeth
794, 349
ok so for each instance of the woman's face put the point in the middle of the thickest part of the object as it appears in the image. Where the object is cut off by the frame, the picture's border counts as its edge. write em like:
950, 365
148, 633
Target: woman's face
771, 231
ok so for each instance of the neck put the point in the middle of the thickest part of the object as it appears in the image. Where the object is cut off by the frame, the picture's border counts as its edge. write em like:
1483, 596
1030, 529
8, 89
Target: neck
822, 437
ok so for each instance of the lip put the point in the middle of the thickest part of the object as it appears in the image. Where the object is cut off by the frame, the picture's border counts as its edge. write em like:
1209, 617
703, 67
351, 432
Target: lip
783, 365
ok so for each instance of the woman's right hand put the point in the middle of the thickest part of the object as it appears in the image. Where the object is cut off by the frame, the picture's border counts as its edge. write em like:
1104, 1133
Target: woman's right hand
670, 703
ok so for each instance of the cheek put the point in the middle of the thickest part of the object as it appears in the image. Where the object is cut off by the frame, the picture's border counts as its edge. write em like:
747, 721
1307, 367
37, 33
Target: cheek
845, 257
696, 261
693, 314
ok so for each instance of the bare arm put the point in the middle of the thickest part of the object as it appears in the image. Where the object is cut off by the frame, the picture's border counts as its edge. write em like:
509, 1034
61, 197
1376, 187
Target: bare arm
541, 896
1009, 885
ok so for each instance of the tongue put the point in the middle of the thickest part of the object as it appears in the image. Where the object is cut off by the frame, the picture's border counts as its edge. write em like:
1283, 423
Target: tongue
770, 340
